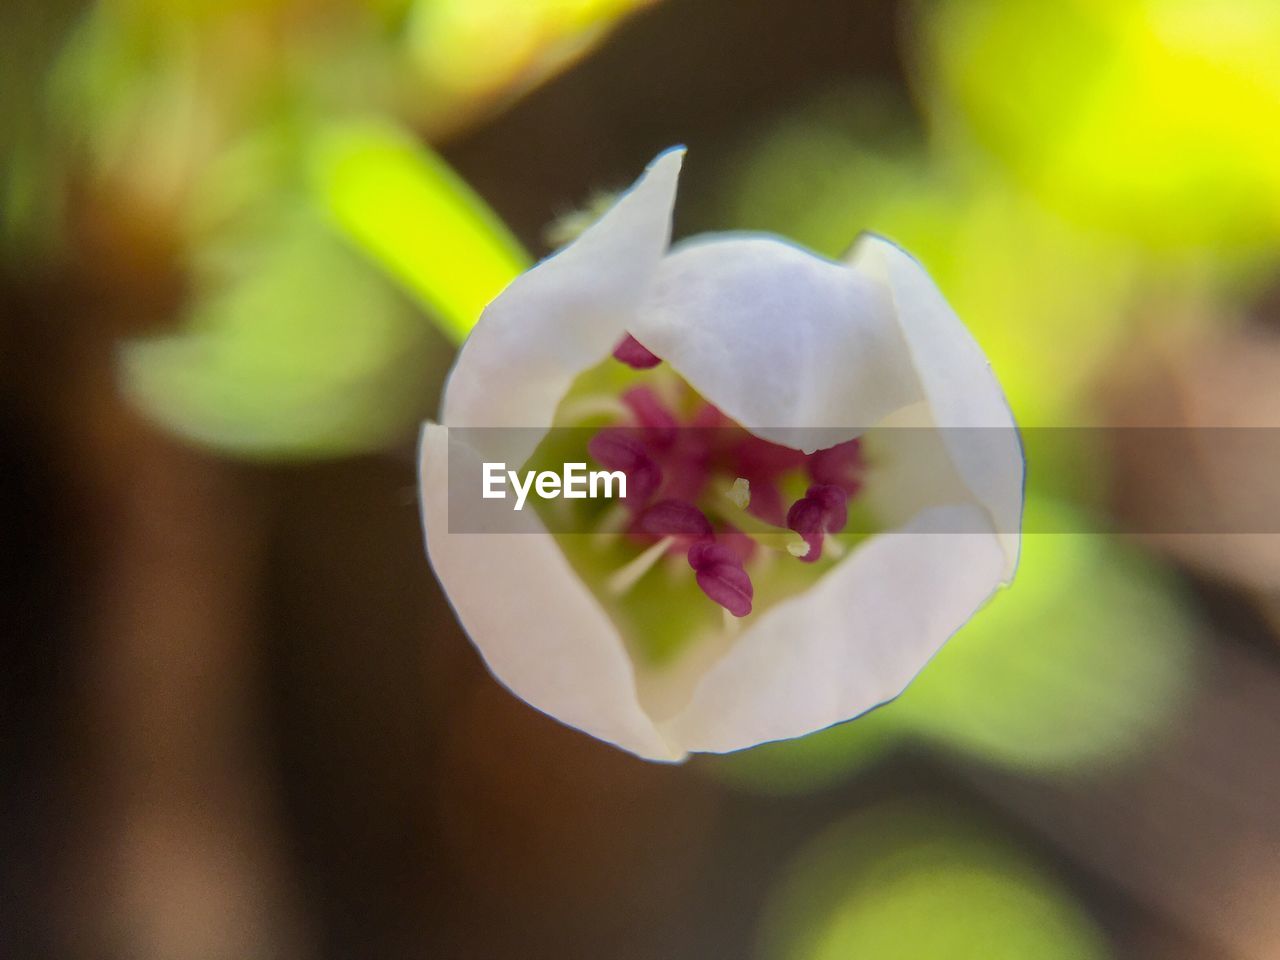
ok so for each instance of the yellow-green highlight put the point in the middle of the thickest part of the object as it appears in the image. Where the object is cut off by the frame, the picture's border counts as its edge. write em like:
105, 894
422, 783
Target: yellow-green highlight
473, 49
404, 207
1155, 119
918, 882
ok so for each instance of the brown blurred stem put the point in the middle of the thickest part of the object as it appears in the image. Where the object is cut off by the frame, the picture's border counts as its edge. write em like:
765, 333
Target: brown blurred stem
182, 858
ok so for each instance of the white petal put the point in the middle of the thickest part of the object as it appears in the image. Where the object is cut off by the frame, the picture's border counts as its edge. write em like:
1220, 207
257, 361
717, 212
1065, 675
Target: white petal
910, 469
851, 642
958, 385
538, 628
779, 339
562, 317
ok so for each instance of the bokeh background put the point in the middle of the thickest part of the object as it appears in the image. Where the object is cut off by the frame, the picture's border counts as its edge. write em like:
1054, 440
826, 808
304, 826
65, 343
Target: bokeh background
240, 240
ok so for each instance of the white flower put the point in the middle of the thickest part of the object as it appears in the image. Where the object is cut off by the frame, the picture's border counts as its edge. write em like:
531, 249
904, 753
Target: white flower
780, 341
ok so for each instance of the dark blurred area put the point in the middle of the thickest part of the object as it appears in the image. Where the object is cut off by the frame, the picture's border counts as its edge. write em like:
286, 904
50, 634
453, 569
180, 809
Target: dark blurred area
237, 716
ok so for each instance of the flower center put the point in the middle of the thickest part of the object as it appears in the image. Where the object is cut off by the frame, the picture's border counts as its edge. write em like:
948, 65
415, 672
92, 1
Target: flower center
702, 487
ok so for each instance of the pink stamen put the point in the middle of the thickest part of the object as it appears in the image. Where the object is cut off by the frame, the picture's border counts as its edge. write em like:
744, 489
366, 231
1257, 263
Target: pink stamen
755, 458
823, 509
835, 505
707, 417
721, 577
616, 449
742, 545
806, 518
839, 466
671, 458
674, 518
686, 476
659, 423
634, 354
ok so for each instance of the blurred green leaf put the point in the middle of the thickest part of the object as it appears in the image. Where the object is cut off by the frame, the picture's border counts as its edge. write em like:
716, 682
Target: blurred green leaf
406, 209
1084, 660
294, 348
912, 882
